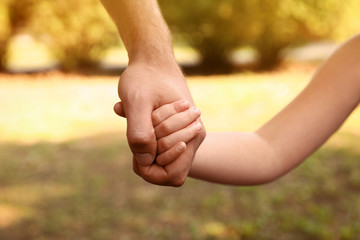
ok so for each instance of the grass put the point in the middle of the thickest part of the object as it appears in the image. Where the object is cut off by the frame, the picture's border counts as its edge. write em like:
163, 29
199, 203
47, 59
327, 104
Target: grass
65, 169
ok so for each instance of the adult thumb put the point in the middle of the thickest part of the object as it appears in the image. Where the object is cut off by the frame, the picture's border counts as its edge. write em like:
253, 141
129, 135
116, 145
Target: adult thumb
140, 133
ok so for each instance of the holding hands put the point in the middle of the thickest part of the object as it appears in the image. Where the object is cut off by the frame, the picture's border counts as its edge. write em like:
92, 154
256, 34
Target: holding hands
164, 131
176, 125
152, 79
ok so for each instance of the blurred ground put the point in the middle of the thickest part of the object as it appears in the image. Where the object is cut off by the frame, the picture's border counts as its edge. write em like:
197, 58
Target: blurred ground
56, 107
65, 168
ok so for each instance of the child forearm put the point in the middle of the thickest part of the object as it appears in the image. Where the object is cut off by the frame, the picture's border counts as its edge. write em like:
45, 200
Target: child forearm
319, 110
293, 134
235, 158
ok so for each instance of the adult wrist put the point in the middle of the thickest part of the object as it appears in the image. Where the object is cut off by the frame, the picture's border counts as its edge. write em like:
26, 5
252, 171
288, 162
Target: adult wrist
155, 58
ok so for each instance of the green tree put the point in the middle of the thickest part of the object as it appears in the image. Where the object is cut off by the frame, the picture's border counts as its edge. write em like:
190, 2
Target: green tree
77, 32
215, 28
14, 17
349, 24
211, 27
284, 23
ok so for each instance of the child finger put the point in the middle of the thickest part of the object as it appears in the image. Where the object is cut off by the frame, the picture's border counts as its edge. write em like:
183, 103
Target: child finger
119, 110
164, 112
171, 155
177, 122
183, 135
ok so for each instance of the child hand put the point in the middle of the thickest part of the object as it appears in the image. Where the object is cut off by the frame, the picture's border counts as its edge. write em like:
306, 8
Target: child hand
175, 124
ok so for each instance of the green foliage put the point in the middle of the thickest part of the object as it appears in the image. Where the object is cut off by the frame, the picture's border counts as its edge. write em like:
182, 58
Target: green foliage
215, 28
282, 23
4, 35
211, 27
348, 24
77, 32
14, 16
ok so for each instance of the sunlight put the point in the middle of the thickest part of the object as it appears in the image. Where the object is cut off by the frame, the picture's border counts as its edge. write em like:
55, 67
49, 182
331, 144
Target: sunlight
57, 107
10, 215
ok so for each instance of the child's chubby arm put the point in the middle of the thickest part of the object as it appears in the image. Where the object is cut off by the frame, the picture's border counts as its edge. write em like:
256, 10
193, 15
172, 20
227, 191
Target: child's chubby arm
175, 125
293, 134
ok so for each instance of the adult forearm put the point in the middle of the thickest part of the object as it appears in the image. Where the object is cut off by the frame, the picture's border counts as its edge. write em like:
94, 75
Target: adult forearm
142, 29
151, 80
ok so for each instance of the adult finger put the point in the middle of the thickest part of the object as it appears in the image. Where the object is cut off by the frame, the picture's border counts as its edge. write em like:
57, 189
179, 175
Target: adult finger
173, 174
136, 167
166, 176
140, 132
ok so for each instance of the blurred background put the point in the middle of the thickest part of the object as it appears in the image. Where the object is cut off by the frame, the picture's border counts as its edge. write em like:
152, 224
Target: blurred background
65, 167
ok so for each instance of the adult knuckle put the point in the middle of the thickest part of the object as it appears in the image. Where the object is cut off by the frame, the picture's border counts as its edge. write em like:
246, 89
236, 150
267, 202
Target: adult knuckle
137, 95
176, 178
148, 175
140, 138
178, 181
145, 175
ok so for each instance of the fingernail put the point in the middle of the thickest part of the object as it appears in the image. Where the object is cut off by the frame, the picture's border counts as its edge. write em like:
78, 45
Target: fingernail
196, 111
181, 147
198, 126
145, 159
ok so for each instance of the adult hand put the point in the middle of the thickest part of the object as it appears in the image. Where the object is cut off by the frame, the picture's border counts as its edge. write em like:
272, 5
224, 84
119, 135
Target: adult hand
144, 87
